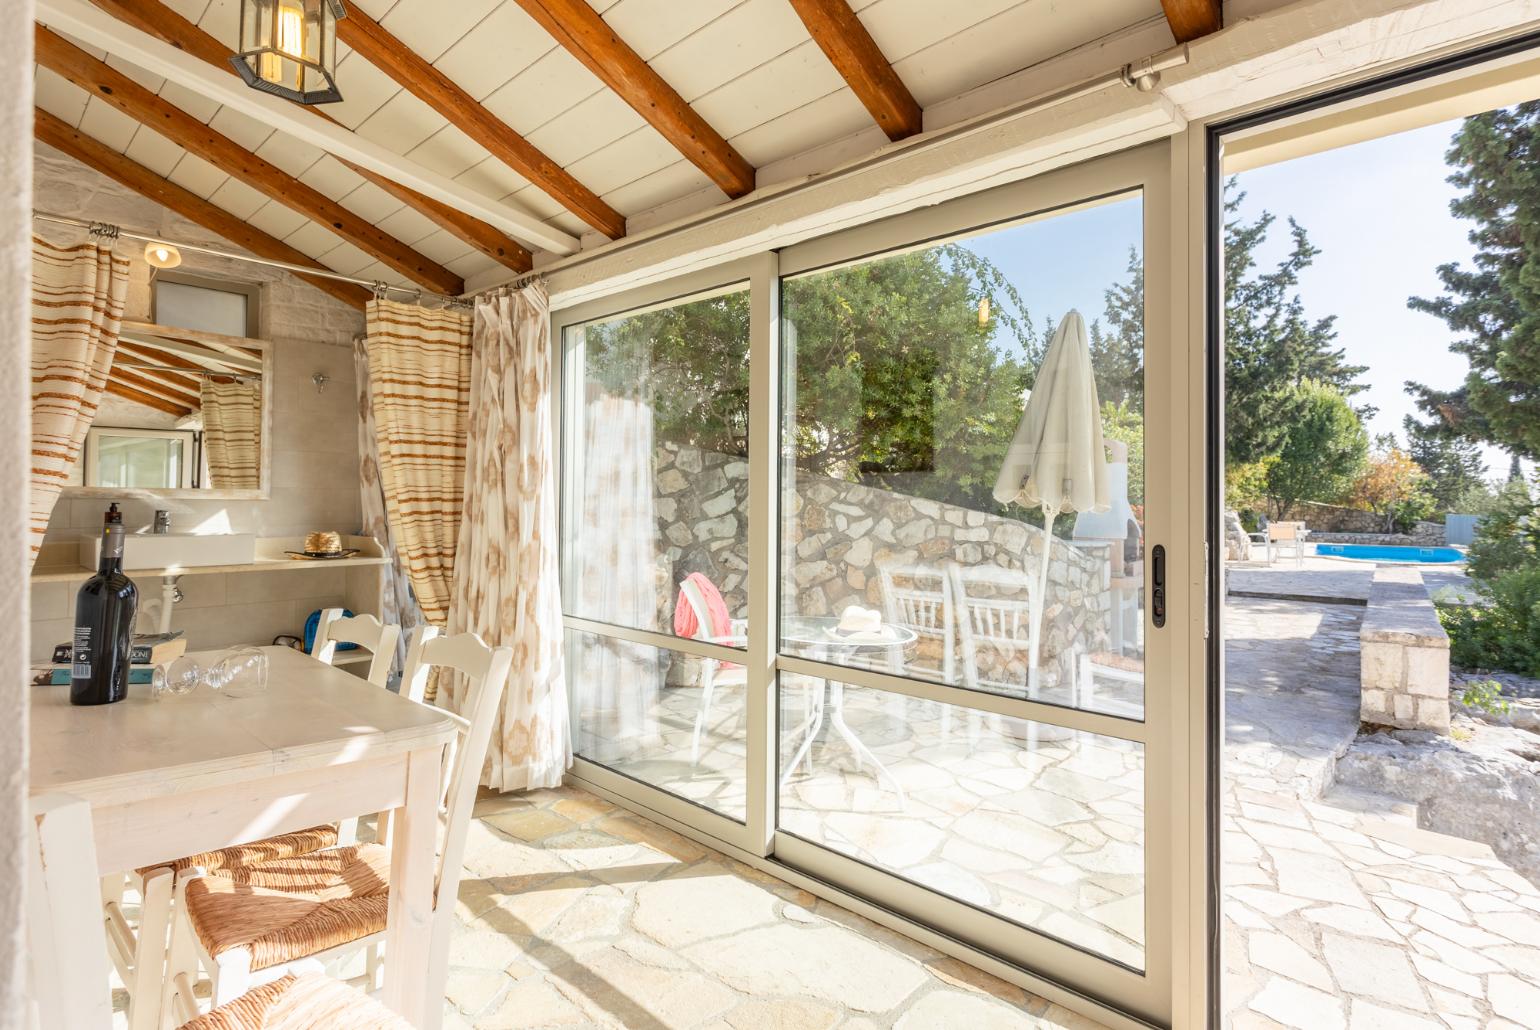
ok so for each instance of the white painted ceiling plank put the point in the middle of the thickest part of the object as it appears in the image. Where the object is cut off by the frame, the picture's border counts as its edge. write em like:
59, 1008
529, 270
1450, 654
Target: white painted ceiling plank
197, 175
649, 27
58, 96
432, 28
107, 125
80, 18
154, 151
507, 42
238, 198
276, 220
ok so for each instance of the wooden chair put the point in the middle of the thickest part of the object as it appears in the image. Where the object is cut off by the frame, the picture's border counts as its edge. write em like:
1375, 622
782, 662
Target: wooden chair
252, 924
1291, 533
364, 630
68, 948
139, 950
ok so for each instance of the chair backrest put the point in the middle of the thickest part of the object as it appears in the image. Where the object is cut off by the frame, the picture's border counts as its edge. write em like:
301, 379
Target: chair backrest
486, 670
697, 602
1277, 531
919, 597
994, 607
365, 631
66, 937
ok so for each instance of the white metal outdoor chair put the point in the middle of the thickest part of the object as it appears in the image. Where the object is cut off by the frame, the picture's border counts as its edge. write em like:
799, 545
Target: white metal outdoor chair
253, 926
1290, 534
919, 597
67, 948
363, 630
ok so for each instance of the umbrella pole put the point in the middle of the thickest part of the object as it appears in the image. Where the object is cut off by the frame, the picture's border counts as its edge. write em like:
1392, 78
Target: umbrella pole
1041, 599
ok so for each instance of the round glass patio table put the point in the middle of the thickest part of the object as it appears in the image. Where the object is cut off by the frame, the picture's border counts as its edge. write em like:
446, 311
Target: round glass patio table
817, 637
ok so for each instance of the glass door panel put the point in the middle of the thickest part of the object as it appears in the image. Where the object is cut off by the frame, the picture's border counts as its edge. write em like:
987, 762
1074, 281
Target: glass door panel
968, 722
926, 395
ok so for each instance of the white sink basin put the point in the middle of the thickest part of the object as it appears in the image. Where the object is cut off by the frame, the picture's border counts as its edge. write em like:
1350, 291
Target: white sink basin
175, 550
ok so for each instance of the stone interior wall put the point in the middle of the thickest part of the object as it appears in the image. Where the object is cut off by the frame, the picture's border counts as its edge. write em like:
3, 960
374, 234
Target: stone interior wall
843, 533
315, 436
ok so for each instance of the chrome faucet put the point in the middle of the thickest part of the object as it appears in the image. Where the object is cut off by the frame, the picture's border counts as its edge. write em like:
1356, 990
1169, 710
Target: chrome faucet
162, 521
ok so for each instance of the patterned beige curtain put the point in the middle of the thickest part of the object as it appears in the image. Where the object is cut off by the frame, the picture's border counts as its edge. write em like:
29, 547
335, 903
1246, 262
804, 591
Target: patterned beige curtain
506, 585
397, 605
419, 391
77, 309
232, 434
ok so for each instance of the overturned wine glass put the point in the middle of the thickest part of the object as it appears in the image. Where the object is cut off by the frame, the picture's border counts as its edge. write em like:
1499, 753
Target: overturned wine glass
175, 679
240, 672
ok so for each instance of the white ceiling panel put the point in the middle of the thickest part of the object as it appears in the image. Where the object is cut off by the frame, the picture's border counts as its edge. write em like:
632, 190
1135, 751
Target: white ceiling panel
784, 83
221, 19
601, 119
472, 263
243, 130
434, 28
132, 71
401, 123
449, 152
407, 225
289, 153
347, 259
364, 88
626, 160
505, 43
197, 175
830, 117
371, 203
677, 180
333, 178
106, 124
493, 178
238, 198
742, 39
650, 28
154, 151
544, 91
276, 220
312, 239
191, 101
440, 246
58, 96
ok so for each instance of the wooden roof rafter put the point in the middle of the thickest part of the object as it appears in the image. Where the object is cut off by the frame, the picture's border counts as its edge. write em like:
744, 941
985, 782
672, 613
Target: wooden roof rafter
1192, 19
101, 80
156, 18
90, 152
855, 55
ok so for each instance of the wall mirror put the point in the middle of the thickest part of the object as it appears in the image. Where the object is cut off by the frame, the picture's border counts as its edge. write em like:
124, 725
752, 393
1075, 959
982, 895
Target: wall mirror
185, 414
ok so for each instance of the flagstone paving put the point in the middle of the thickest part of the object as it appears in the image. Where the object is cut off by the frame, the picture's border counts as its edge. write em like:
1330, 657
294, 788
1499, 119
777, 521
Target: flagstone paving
1339, 912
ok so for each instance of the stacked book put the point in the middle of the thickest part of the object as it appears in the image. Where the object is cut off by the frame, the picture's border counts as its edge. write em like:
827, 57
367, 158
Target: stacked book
148, 651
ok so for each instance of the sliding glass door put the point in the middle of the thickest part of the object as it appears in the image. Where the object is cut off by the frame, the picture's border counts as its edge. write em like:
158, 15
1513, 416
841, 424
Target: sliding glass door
860, 547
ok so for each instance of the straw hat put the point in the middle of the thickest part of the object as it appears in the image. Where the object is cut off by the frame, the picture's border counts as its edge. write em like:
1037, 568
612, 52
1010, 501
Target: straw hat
323, 543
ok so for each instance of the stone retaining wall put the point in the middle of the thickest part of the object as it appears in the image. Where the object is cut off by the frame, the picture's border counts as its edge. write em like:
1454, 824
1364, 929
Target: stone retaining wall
1336, 524
1403, 655
1425, 534
843, 533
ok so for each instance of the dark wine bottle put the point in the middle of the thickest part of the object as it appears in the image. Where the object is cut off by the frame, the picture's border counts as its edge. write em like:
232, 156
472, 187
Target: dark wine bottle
104, 624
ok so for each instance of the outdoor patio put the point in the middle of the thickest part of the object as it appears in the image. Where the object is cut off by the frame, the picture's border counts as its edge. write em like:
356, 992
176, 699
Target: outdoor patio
1339, 910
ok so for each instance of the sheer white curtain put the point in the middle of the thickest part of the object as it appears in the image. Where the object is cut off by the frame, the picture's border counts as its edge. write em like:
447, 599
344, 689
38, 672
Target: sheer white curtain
506, 583
615, 681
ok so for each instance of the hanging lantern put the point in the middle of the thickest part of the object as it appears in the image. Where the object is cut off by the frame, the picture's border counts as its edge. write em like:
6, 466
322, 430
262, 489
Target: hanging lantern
289, 48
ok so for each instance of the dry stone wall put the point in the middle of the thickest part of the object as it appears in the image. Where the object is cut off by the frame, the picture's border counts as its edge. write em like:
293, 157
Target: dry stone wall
843, 533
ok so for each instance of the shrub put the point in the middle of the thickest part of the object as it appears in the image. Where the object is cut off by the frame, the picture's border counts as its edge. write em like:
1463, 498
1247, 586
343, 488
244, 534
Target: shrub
1503, 631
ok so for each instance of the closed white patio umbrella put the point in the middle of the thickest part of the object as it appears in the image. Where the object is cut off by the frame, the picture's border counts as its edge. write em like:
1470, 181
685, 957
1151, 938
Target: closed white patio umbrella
1056, 460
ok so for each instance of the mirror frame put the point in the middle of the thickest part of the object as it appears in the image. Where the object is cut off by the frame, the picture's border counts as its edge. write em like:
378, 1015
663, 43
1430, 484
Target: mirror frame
263, 492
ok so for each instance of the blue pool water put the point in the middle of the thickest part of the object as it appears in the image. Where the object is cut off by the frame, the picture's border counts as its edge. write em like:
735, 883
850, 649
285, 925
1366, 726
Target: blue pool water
1375, 552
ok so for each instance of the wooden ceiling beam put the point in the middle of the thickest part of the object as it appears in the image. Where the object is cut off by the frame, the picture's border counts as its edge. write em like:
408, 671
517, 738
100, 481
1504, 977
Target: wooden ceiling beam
173, 380
1192, 19
189, 205
418, 77
132, 377
588, 37
149, 400
861, 63
106, 83
157, 19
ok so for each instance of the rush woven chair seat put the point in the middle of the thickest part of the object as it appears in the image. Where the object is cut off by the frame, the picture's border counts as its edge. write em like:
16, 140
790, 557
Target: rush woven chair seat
300, 1003
290, 908
232, 860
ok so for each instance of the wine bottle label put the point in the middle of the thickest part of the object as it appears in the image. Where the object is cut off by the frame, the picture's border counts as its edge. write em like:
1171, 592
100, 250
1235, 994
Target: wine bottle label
80, 668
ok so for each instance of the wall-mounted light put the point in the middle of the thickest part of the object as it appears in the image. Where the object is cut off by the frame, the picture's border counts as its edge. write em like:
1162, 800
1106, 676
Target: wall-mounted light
289, 48
162, 255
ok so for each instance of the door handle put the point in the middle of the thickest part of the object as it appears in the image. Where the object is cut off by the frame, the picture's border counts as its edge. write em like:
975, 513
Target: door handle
1158, 585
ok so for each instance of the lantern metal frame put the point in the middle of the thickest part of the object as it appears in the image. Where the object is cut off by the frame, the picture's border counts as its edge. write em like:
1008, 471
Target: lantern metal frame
246, 61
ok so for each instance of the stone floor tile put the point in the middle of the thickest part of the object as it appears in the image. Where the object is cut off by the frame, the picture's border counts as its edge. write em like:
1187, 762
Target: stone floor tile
1513, 998
1295, 1005
781, 1014
1374, 971
1278, 953
1365, 1015
949, 1011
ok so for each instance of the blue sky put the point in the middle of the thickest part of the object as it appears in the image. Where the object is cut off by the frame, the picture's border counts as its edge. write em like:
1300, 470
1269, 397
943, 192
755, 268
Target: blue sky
1379, 212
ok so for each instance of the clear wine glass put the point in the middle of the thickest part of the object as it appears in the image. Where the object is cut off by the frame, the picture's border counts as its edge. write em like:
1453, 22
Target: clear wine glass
175, 679
241, 672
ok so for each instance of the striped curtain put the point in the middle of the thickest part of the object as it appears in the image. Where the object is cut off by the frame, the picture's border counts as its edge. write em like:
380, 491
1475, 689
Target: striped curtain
232, 434
506, 585
419, 390
397, 607
77, 309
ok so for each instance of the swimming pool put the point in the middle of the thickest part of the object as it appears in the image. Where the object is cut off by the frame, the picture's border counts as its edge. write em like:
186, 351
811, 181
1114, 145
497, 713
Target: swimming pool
1376, 552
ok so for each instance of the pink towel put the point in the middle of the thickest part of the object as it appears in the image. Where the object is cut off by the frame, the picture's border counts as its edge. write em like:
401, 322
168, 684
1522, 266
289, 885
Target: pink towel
686, 624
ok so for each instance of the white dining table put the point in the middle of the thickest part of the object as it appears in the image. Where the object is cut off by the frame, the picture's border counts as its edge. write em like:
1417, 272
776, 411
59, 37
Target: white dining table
173, 777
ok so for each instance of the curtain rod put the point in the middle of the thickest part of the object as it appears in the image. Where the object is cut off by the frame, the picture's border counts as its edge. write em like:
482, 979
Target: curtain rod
113, 232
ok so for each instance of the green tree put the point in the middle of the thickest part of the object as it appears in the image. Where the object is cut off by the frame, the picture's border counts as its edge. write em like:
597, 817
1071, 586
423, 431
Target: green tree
1270, 344
1456, 473
1323, 449
1391, 484
1117, 339
1120, 421
1494, 305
